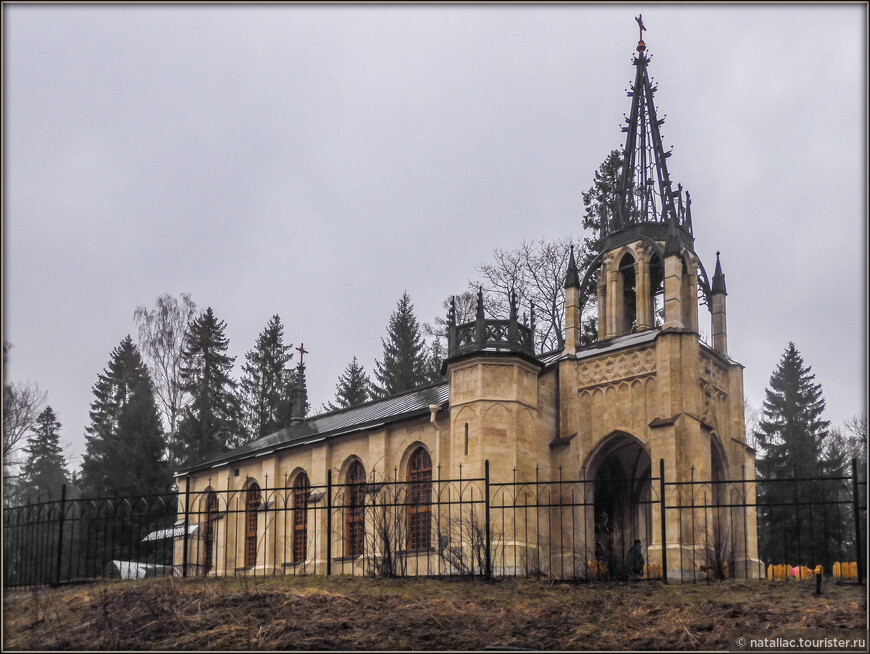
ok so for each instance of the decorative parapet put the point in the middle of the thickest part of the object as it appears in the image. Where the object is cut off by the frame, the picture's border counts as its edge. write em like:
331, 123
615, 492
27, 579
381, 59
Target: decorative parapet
489, 334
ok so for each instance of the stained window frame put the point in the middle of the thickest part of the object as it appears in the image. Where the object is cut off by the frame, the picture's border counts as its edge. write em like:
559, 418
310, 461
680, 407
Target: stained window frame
419, 500
301, 493
253, 499
354, 510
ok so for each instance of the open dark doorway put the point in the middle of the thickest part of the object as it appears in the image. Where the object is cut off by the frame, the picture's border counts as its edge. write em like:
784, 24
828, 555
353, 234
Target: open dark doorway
621, 473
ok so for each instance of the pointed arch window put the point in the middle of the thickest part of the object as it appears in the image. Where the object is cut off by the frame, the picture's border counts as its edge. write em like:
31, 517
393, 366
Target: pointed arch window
301, 491
419, 499
211, 511
629, 295
354, 511
253, 499
657, 290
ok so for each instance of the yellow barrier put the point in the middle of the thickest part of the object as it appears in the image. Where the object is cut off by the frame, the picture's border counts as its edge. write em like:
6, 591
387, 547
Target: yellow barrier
847, 570
779, 572
653, 571
783, 571
596, 568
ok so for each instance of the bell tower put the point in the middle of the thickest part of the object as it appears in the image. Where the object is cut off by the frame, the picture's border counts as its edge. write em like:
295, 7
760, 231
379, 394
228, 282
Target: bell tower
648, 274
651, 386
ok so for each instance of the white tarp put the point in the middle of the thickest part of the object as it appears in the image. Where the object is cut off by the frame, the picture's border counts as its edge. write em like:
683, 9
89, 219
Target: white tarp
135, 570
173, 532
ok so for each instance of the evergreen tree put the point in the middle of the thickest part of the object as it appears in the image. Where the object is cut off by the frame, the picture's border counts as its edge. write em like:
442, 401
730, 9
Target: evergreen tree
125, 443
436, 358
353, 387
45, 469
791, 438
791, 430
265, 379
211, 423
599, 203
404, 362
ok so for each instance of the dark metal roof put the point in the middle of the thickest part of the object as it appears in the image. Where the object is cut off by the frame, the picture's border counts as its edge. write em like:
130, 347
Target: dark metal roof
335, 423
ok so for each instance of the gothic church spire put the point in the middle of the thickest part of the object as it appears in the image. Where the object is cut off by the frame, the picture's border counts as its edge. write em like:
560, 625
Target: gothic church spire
645, 193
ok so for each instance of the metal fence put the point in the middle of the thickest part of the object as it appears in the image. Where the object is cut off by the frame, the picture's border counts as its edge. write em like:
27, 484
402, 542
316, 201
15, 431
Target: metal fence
615, 528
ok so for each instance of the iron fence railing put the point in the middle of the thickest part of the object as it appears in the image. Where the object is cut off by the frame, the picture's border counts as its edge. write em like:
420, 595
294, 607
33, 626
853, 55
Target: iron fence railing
614, 528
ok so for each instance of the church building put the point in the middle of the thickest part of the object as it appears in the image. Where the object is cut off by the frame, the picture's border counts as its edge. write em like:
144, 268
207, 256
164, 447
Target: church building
561, 458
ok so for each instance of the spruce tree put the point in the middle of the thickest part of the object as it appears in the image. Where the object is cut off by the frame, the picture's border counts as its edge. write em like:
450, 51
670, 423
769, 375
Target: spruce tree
433, 364
45, 469
599, 203
404, 363
211, 423
125, 442
791, 430
265, 379
790, 438
353, 387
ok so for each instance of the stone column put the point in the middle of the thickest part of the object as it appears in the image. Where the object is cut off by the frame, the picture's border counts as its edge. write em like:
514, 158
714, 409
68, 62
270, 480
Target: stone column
572, 320
644, 310
720, 338
602, 303
614, 302
673, 290
690, 295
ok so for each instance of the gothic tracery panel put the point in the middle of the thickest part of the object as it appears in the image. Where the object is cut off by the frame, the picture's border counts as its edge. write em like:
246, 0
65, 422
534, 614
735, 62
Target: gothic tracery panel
623, 365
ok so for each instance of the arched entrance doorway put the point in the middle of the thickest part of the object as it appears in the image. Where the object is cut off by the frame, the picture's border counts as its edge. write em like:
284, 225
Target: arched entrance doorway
718, 547
620, 473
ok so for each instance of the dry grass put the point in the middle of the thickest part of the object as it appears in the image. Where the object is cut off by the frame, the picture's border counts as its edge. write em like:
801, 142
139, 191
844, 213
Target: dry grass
318, 613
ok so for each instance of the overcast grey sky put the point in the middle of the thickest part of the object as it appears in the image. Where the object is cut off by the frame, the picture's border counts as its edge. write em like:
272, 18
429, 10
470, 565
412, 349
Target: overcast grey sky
317, 161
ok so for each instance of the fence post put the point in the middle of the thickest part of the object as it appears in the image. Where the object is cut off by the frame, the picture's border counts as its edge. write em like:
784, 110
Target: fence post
859, 551
329, 521
60, 533
797, 515
186, 525
664, 528
745, 532
488, 569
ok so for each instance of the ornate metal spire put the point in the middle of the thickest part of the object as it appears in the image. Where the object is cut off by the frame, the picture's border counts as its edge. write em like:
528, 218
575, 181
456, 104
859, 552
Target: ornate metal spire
645, 193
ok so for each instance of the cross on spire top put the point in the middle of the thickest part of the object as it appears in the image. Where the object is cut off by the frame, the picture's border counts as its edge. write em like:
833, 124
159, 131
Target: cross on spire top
641, 46
302, 352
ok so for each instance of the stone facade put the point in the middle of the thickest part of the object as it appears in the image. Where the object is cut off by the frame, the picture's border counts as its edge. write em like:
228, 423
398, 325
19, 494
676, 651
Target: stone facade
570, 446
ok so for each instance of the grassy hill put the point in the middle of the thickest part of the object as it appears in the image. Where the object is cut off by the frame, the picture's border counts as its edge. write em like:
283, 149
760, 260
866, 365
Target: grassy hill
400, 614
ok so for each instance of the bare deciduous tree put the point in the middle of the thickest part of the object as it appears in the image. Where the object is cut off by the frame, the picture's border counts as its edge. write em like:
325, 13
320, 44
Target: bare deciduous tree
751, 416
536, 272
22, 404
466, 306
850, 440
161, 334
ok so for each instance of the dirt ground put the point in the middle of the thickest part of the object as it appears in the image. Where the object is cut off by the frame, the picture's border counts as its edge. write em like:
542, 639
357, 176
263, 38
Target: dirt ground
343, 613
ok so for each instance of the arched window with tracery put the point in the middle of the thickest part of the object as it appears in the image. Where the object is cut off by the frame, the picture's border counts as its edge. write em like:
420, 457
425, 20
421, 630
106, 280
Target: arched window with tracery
354, 511
253, 499
419, 499
301, 491
211, 511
